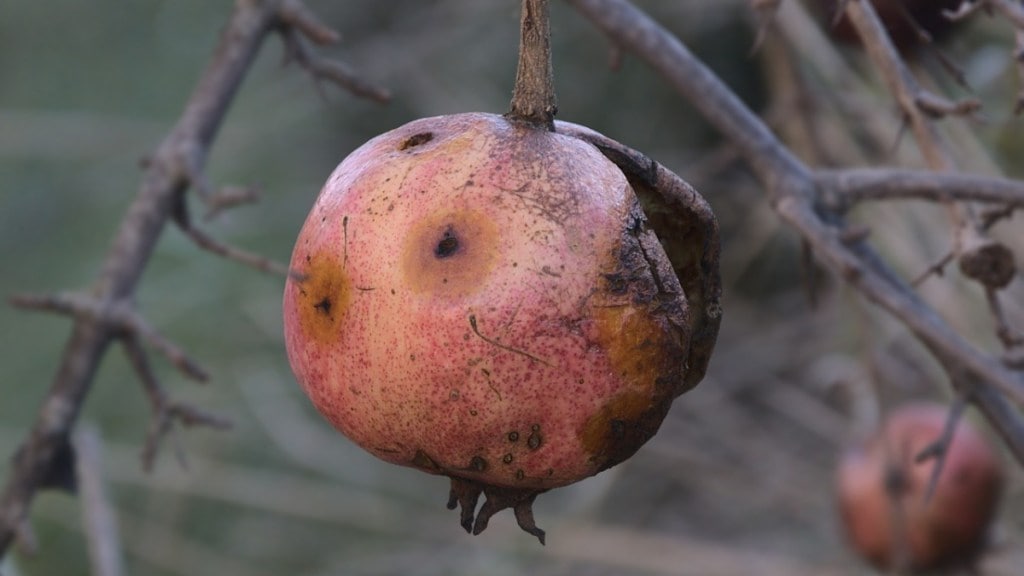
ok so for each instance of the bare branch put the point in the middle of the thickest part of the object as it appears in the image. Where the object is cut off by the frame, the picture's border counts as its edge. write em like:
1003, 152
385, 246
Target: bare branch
900, 82
936, 269
298, 50
133, 325
1010, 337
919, 108
230, 197
939, 449
208, 243
104, 316
936, 106
793, 191
165, 412
121, 318
98, 514
766, 10
843, 188
964, 10
299, 17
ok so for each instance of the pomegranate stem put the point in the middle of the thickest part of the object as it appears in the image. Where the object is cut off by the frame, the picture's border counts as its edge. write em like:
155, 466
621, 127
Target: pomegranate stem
533, 97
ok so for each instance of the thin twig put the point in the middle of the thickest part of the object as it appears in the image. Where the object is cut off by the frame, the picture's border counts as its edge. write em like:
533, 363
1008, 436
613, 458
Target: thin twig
297, 49
165, 412
230, 197
896, 485
901, 83
98, 514
939, 449
297, 16
766, 11
973, 248
206, 242
1007, 335
842, 189
936, 269
120, 318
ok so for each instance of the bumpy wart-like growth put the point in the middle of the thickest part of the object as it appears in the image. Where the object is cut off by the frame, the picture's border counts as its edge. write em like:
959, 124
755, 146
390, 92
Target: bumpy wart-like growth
478, 298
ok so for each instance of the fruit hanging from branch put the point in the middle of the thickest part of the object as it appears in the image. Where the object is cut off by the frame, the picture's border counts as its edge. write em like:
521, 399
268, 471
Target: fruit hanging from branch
484, 297
892, 513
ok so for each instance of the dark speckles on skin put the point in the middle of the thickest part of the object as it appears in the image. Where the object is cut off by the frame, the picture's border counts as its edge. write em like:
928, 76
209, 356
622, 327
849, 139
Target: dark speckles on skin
520, 474
507, 458
513, 436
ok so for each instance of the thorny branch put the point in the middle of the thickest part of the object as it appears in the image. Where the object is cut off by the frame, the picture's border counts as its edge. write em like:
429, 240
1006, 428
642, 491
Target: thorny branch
107, 312
813, 203
980, 258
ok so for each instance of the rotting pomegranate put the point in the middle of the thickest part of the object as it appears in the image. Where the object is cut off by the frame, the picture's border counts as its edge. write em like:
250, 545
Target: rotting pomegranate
476, 297
888, 515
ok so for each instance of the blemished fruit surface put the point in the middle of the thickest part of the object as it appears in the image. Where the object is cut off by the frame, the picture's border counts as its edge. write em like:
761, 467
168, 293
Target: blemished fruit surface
887, 513
476, 297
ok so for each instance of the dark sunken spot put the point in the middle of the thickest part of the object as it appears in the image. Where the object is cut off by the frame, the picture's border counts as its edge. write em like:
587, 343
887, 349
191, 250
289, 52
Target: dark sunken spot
324, 306
534, 441
448, 245
416, 140
478, 464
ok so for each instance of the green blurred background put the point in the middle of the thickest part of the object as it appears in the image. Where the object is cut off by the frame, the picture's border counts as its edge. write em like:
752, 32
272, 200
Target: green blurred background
738, 481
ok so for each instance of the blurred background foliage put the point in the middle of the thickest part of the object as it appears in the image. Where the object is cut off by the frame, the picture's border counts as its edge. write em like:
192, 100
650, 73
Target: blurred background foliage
739, 479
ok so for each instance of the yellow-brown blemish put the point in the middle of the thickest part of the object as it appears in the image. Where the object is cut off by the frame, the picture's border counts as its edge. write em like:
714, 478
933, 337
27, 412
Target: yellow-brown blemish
640, 351
634, 342
324, 295
450, 254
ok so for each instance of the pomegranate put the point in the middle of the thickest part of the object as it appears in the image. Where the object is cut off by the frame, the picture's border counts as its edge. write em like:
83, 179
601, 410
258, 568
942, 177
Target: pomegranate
889, 517
480, 298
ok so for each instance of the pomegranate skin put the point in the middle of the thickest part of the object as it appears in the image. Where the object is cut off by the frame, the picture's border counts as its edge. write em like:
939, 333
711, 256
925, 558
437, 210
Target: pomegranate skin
475, 297
949, 529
